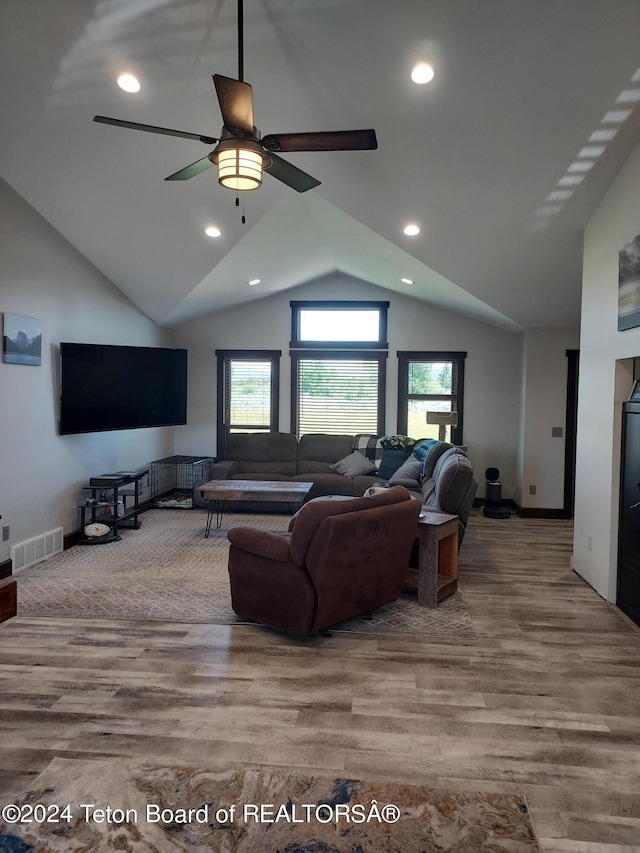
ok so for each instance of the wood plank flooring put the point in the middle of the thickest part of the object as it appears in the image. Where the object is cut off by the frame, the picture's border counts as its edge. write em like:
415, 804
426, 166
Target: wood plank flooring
546, 700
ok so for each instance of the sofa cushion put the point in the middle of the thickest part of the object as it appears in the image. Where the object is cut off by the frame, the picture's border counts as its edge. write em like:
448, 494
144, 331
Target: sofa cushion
273, 451
252, 474
324, 483
360, 484
321, 447
353, 464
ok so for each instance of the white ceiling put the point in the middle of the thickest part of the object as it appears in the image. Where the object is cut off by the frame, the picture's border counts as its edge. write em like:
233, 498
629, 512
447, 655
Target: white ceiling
520, 87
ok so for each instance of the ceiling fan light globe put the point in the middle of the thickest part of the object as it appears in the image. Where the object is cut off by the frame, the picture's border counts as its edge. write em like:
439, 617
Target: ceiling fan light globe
240, 164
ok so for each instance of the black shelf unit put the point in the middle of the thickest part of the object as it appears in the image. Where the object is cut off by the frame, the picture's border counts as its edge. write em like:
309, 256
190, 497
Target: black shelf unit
101, 506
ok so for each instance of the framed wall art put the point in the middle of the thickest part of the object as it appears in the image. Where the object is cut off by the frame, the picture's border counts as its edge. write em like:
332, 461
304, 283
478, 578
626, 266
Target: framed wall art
629, 285
22, 340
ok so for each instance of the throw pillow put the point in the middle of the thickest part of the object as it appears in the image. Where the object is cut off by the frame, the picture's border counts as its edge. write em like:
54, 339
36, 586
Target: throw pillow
399, 442
392, 459
353, 465
409, 470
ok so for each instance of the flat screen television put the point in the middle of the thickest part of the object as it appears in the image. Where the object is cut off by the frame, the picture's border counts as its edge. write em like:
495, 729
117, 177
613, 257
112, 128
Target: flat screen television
106, 387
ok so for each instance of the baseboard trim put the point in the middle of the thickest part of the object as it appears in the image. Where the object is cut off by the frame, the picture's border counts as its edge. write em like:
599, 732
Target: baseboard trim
541, 512
526, 512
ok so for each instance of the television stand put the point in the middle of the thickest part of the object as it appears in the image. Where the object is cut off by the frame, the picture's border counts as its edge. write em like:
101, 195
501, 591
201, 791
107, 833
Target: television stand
108, 507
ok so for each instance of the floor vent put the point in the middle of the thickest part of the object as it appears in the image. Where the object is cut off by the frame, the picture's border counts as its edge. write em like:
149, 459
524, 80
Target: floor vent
37, 549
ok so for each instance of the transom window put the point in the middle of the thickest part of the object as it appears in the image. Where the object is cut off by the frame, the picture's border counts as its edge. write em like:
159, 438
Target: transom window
347, 323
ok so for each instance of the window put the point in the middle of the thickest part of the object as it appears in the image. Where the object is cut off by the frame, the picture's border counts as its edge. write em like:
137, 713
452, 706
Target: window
337, 392
338, 371
248, 392
362, 325
430, 381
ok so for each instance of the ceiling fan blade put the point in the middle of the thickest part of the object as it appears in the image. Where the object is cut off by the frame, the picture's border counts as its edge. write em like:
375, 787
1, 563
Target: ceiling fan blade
336, 140
236, 104
210, 140
191, 171
290, 175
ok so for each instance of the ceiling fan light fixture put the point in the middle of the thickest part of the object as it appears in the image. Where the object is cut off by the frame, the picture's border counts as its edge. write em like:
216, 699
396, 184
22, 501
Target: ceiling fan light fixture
240, 163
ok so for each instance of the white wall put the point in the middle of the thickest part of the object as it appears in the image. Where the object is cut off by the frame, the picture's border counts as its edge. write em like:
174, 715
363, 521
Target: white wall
605, 381
492, 373
544, 387
41, 472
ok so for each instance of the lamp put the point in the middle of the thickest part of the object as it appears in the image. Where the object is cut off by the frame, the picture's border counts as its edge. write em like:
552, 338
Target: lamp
240, 163
443, 420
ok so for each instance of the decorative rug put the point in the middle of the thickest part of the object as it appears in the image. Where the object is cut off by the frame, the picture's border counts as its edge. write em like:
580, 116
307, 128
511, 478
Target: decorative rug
167, 571
117, 804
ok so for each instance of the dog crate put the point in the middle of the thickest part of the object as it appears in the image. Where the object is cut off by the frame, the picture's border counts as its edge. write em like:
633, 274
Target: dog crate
173, 478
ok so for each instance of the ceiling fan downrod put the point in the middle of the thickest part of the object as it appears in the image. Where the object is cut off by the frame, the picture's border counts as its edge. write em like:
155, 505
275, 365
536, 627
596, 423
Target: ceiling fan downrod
240, 41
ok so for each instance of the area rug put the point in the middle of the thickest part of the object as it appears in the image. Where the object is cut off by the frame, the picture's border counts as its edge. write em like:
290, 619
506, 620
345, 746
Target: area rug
119, 804
167, 571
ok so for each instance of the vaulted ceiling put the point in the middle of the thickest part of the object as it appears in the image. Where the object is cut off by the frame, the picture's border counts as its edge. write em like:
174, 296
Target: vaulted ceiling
501, 159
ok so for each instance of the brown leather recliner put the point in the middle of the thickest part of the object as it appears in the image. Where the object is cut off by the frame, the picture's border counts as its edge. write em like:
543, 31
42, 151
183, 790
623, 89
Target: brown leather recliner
340, 559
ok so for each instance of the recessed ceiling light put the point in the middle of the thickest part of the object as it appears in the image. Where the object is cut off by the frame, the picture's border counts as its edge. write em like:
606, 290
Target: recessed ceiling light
616, 116
570, 180
212, 231
407, 281
603, 135
581, 166
411, 229
129, 83
254, 281
422, 73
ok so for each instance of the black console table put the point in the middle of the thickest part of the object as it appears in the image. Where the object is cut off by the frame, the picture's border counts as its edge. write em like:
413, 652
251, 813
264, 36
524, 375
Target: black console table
109, 504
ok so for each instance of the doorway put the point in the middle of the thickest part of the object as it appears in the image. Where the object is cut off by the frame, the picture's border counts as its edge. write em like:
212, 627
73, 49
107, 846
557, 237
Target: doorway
628, 583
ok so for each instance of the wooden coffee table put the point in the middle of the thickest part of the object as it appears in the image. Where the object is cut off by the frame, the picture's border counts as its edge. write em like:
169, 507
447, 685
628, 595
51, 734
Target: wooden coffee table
216, 492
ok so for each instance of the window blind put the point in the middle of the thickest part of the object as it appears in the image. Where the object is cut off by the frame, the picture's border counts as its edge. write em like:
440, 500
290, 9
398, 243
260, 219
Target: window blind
337, 395
247, 394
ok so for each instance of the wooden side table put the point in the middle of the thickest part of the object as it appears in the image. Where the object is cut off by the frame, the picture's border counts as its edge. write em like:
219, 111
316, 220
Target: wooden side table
438, 557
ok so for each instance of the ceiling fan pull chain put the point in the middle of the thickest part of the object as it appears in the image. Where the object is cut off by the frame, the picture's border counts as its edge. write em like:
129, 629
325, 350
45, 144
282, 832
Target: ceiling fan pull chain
243, 219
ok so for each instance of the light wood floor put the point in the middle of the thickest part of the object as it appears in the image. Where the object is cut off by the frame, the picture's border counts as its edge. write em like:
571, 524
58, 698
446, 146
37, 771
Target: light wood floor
546, 700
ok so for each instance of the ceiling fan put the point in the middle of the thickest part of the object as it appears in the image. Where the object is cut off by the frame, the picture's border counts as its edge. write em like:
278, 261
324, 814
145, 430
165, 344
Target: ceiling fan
241, 153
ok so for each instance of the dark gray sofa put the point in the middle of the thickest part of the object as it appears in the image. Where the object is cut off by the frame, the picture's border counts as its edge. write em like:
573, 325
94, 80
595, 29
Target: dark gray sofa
281, 456
447, 484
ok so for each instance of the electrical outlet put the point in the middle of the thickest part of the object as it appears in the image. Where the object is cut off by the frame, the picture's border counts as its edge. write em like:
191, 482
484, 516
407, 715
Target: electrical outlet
5, 533
590, 542
532, 490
